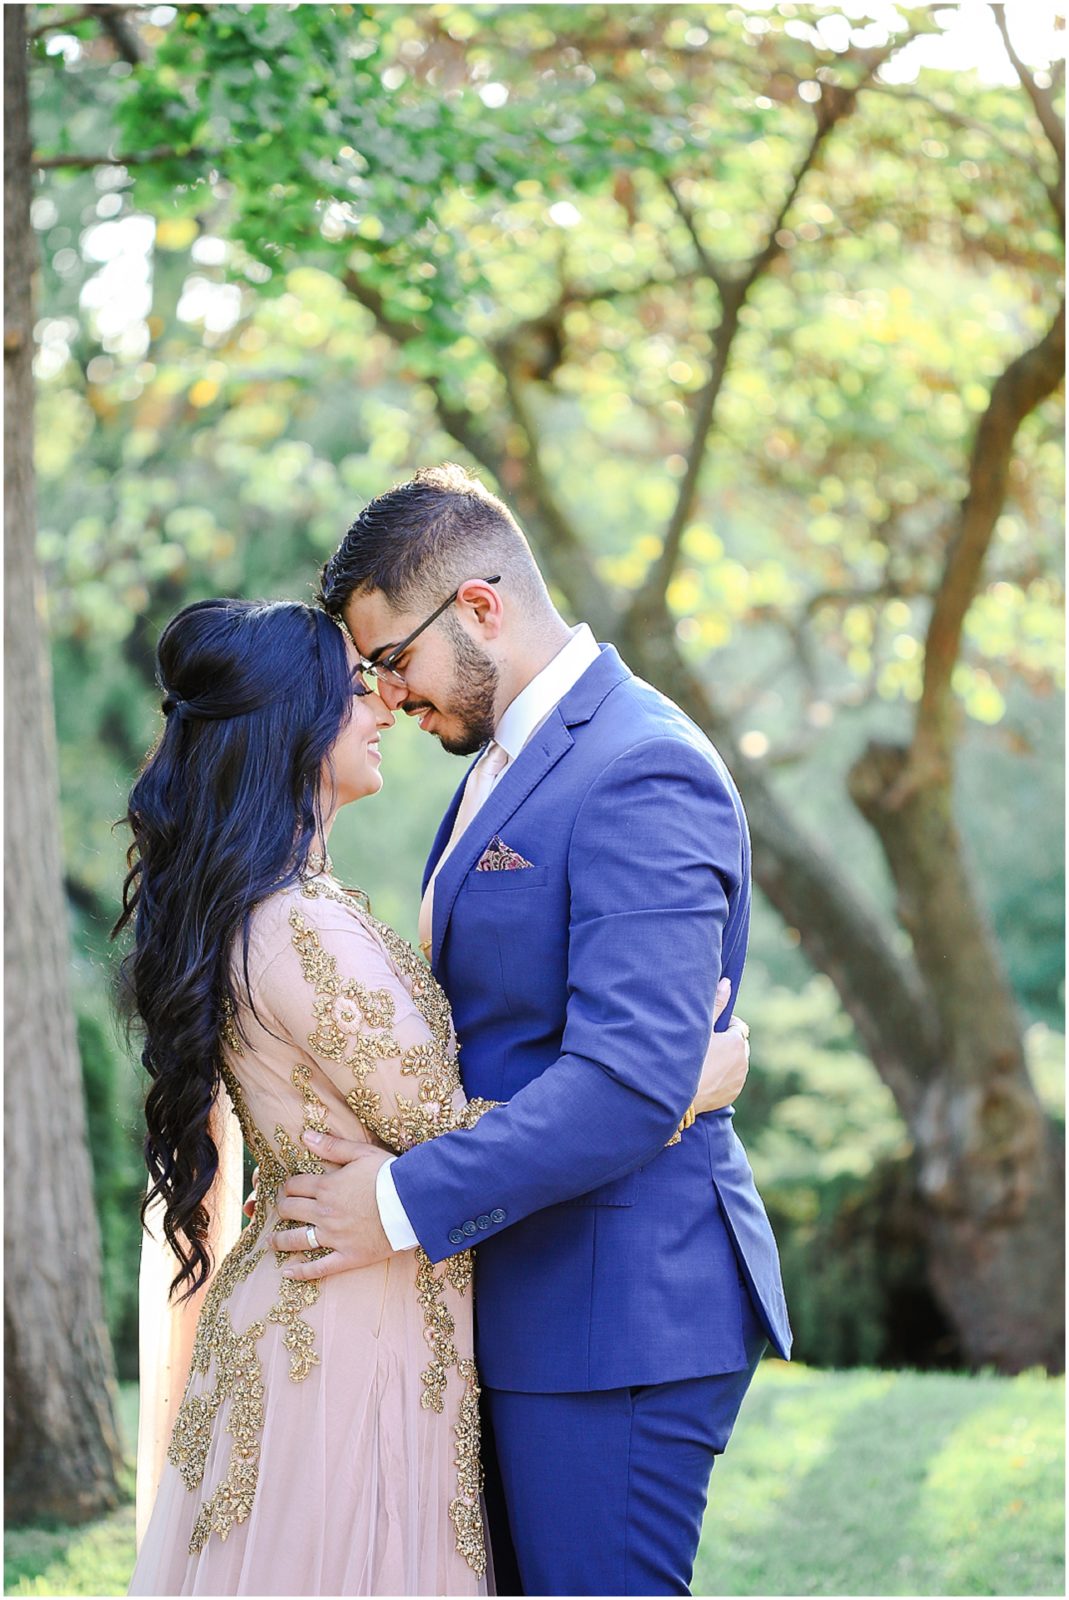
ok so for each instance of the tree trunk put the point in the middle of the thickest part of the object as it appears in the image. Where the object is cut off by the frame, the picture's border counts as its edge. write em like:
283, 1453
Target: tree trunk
989, 1166
990, 1169
62, 1449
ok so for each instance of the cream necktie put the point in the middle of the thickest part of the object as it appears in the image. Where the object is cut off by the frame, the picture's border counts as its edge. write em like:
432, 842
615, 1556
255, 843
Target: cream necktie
483, 777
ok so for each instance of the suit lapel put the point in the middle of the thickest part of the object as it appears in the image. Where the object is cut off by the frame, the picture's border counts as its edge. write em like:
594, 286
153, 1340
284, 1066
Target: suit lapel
539, 756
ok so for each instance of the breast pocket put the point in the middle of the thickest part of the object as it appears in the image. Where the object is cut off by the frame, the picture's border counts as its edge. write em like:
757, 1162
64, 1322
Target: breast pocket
513, 878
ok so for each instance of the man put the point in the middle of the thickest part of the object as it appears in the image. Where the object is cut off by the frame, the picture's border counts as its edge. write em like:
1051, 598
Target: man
588, 885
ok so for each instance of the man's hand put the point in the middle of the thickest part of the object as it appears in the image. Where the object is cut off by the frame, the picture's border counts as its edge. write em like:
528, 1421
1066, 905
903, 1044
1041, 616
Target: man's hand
727, 1060
340, 1204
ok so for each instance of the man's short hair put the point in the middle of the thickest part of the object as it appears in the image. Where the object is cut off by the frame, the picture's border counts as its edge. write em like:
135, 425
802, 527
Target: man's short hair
420, 540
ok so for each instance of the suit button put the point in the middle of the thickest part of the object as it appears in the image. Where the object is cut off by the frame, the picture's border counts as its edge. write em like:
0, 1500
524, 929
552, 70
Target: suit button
455, 1236
497, 1215
468, 1227
482, 1222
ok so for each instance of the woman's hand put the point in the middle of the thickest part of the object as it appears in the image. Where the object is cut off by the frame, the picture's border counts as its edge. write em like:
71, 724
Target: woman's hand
249, 1207
727, 1060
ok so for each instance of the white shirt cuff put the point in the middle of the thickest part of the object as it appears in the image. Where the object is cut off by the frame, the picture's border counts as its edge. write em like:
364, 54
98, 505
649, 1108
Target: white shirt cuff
392, 1214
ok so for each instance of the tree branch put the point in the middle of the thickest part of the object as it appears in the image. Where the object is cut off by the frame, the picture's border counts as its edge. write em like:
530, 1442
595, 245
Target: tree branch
1042, 100
712, 269
112, 20
521, 475
370, 298
653, 589
1043, 105
134, 158
572, 568
576, 296
954, 119
1025, 384
834, 105
947, 114
889, 589
86, 14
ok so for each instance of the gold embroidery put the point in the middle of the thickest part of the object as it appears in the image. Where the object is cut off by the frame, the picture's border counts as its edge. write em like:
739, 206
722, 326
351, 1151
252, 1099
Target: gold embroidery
294, 1297
238, 1371
237, 1366
465, 1511
440, 1325
240, 1377
228, 1029
458, 1269
315, 1112
433, 1063
439, 1329
354, 1029
353, 1025
299, 1338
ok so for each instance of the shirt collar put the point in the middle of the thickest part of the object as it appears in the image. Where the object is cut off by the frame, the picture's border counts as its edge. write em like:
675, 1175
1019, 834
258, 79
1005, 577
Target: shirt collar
547, 689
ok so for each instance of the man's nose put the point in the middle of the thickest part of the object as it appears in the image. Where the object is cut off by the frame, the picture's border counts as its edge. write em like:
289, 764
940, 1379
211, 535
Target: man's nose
391, 694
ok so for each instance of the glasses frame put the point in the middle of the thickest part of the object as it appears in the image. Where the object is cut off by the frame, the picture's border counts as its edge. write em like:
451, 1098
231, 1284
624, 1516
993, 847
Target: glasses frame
385, 669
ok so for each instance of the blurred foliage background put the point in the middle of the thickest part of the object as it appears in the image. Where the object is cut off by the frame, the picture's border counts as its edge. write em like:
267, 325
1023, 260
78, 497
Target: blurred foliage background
229, 366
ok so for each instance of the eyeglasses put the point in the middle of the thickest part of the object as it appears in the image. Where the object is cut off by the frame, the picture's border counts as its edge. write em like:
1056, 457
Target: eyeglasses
386, 669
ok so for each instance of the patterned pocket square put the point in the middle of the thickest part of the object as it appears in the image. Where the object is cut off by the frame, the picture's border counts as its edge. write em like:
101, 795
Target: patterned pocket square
498, 857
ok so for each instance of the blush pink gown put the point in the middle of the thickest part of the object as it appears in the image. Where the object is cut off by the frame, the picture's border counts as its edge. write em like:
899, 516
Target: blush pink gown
328, 1439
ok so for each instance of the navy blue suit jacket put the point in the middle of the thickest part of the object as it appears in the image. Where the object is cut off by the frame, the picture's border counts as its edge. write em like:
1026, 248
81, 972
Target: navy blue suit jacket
582, 990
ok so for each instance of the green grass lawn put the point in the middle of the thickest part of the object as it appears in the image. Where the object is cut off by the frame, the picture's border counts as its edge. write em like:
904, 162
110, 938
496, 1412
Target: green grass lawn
96, 1558
886, 1483
836, 1483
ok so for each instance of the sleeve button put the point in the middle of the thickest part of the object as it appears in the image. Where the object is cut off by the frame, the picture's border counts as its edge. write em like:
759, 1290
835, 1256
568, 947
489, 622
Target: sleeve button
455, 1236
468, 1227
497, 1215
482, 1222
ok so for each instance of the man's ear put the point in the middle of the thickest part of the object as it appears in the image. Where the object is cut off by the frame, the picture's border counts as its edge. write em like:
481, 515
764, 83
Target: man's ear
483, 605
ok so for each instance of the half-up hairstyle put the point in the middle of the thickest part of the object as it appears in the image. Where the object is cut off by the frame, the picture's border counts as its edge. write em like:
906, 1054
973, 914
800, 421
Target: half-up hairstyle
224, 812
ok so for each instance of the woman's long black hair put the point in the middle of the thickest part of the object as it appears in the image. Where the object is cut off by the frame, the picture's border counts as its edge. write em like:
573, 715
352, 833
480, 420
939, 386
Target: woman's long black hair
225, 810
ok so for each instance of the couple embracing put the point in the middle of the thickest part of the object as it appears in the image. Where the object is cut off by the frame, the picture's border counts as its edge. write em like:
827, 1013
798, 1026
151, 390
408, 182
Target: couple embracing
368, 1408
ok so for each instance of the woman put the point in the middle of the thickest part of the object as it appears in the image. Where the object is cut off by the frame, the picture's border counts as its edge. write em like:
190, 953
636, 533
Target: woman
328, 1438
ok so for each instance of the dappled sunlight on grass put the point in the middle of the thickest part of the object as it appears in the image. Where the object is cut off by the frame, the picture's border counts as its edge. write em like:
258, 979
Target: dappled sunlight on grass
995, 1493
889, 1483
836, 1483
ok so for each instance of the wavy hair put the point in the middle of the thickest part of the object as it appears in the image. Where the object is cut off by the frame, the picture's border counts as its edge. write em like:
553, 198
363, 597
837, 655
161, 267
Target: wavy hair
224, 812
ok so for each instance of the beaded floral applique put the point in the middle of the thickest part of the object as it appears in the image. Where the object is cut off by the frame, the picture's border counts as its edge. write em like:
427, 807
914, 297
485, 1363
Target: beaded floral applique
354, 1028
343, 1010
236, 1360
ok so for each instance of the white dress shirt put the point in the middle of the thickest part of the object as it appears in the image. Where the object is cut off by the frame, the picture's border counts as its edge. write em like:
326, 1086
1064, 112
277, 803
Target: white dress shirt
519, 722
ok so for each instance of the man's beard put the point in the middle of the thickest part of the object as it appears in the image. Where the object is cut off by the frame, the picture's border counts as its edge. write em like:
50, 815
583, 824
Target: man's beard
472, 701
